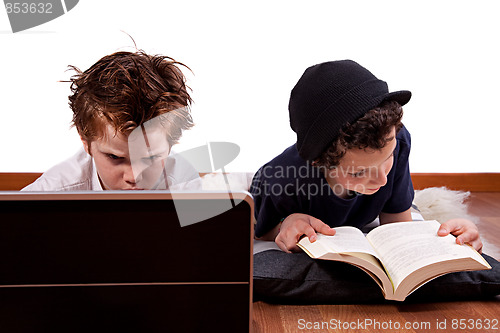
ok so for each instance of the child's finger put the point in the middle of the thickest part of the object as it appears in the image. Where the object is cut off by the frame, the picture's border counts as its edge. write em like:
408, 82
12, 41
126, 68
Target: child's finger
468, 236
478, 246
287, 239
287, 242
443, 231
310, 232
475, 243
281, 244
321, 227
465, 231
454, 226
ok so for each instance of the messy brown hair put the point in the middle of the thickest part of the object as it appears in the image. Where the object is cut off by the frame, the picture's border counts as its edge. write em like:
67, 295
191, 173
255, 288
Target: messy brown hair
370, 131
127, 89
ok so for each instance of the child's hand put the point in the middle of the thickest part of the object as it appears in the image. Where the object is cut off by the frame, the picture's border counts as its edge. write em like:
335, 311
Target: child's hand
296, 225
465, 231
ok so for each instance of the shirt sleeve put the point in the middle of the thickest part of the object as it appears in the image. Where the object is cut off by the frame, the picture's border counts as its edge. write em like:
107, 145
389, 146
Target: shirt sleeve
402, 191
73, 174
271, 204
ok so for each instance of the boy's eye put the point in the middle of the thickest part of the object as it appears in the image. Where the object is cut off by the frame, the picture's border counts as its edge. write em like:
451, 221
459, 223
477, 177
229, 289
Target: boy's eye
150, 159
358, 174
114, 157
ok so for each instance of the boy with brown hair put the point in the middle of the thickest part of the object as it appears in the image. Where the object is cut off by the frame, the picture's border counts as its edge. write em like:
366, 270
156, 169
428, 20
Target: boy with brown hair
349, 165
129, 110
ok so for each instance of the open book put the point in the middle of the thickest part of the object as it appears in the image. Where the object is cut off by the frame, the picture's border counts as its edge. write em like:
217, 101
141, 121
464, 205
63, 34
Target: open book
400, 257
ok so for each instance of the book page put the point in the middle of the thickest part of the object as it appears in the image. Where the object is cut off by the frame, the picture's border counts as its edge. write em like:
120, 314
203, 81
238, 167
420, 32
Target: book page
347, 239
405, 247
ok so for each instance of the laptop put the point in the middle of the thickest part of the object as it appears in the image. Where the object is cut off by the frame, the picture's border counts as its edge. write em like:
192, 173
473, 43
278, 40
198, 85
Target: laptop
124, 262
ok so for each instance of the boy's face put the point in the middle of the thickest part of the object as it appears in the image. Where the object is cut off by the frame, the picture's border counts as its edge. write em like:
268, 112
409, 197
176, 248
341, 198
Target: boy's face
129, 162
363, 170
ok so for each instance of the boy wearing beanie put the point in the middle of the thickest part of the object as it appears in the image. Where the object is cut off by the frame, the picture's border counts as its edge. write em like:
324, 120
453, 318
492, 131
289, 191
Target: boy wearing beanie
349, 165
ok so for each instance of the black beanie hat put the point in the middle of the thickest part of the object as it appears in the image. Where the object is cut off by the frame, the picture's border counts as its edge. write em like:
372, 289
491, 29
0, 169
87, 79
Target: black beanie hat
330, 95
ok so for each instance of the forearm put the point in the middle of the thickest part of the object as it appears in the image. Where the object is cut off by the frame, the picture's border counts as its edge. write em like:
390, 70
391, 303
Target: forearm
271, 235
397, 217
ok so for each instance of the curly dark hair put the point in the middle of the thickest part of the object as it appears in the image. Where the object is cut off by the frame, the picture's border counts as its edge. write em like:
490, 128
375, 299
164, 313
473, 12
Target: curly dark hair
369, 131
127, 89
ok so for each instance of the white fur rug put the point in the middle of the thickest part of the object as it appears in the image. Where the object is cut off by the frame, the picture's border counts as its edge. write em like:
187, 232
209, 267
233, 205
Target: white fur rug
442, 204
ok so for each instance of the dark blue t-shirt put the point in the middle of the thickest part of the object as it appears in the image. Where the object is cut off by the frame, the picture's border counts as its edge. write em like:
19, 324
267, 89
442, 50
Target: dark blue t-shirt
288, 184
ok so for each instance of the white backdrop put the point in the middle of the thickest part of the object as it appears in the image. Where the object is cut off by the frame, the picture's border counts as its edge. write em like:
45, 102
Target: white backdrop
246, 57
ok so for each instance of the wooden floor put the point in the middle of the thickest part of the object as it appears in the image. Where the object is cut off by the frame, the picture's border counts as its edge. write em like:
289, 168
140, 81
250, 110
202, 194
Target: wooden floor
473, 316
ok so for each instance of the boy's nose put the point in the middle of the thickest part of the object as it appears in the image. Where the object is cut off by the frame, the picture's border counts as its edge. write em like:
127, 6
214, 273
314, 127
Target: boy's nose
381, 179
129, 176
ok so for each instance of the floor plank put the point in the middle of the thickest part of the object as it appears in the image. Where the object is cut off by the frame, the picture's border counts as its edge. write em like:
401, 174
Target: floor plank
294, 317
486, 207
489, 229
267, 318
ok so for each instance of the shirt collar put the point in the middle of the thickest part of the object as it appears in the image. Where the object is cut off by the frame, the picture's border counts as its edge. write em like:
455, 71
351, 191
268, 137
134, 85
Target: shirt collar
96, 184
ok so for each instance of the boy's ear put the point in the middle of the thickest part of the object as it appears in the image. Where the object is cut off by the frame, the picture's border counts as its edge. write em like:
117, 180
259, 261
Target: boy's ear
86, 146
169, 147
